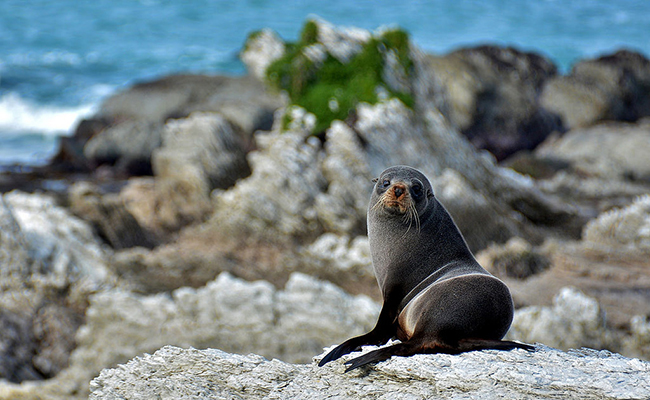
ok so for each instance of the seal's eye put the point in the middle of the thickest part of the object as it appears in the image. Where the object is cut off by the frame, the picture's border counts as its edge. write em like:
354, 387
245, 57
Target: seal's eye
417, 191
385, 183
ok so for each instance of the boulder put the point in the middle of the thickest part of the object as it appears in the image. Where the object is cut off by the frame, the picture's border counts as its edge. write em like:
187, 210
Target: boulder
292, 324
621, 229
490, 94
516, 259
199, 154
574, 320
611, 87
276, 202
109, 215
51, 262
59, 245
612, 151
128, 127
17, 348
128, 146
302, 187
545, 373
261, 49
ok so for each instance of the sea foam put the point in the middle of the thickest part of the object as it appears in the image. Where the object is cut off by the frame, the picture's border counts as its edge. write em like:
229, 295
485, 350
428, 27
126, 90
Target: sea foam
20, 115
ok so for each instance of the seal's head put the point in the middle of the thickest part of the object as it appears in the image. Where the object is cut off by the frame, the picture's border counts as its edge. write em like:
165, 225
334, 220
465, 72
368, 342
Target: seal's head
401, 191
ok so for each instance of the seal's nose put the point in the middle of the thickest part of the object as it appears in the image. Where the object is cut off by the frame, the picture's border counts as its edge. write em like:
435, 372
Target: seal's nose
399, 191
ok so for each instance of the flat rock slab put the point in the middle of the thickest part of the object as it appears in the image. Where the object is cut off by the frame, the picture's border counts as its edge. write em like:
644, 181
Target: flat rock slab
175, 373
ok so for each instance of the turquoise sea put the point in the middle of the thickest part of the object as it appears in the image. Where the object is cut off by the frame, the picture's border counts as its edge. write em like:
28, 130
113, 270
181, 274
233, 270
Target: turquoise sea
59, 59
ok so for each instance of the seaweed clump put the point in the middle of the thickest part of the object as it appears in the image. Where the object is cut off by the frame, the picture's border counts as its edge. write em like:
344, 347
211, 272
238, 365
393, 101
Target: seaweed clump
329, 88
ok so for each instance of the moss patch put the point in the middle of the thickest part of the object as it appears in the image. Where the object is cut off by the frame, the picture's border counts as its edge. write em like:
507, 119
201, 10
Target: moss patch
330, 89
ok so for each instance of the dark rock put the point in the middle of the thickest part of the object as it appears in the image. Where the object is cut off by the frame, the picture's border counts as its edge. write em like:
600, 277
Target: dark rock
491, 94
613, 150
127, 146
16, 348
612, 87
70, 156
128, 126
53, 330
109, 216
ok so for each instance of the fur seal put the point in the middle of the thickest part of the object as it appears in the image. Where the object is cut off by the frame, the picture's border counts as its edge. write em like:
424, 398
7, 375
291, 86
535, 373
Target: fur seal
437, 298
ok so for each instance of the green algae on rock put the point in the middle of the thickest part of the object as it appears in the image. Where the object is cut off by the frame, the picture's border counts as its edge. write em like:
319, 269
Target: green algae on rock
330, 86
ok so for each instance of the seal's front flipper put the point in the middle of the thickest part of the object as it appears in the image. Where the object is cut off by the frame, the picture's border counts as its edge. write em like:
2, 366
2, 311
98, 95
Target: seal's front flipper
380, 334
399, 349
344, 348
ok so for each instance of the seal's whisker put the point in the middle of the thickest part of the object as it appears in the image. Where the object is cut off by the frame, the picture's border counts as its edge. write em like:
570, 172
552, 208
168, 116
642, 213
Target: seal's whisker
378, 203
409, 219
416, 217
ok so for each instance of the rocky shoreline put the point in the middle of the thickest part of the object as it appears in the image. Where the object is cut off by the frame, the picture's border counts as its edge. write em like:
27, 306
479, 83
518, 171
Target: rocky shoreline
213, 212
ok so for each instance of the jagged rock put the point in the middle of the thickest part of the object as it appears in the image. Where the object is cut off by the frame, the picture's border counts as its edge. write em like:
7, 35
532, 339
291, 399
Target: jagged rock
16, 348
59, 244
491, 95
128, 127
328, 185
482, 220
277, 200
139, 198
575, 320
341, 42
624, 229
169, 267
341, 260
109, 215
293, 324
50, 263
516, 259
262, 48
14, 255
53, 331
546, 373
342, 207
611, 87
127, 145
614, 151
199, 154
638, 343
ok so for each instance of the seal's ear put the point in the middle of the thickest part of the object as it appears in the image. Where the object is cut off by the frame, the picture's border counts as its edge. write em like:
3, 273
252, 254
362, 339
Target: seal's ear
429, 194
374, 180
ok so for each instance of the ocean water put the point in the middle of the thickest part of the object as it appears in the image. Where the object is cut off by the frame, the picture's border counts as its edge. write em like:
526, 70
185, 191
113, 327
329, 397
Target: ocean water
59, 59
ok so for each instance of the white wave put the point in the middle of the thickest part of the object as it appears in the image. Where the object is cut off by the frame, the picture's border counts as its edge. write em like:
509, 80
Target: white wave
19, 115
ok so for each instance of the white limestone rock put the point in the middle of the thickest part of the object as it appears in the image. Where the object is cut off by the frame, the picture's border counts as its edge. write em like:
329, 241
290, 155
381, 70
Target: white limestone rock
172, 372
199, 154
260, 51
626, 228
293, 324
57, 244
575, 320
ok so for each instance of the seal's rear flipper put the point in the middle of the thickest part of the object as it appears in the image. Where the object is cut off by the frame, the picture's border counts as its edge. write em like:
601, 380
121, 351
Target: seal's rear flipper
399, 349
487, 344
